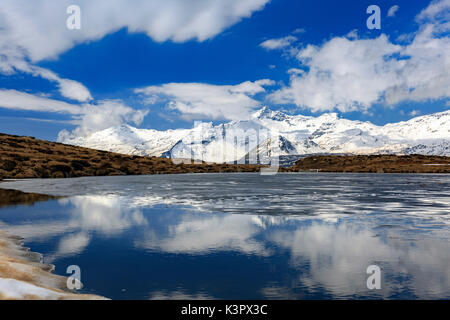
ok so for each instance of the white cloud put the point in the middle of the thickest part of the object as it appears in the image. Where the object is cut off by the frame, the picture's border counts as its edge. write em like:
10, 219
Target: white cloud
12, 99
103, 115
392, 11
280, 43
436, 10
68, 88
353, 34
88, 117
37, 29
343, 74
299, 31
295, 71
206, 101
353, 74
74, 90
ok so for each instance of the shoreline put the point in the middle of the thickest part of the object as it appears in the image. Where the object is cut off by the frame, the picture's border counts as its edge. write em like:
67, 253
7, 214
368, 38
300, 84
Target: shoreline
23, 275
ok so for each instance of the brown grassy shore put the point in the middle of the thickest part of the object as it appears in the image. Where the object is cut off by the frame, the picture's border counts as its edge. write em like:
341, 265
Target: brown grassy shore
373, 164
27, 157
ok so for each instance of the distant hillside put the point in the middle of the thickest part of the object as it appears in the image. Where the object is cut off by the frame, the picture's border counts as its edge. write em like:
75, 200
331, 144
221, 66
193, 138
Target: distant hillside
373, 164
27, 157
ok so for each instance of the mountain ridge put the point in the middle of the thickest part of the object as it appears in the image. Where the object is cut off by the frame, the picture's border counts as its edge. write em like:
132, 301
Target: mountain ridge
290, 135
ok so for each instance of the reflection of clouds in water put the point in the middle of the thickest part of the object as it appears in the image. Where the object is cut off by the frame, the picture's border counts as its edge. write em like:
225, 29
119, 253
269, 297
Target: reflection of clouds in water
329, 251
202, 234
95, 214
338, 256
41, 231
74, 243
104, 214
70, 245
327, 255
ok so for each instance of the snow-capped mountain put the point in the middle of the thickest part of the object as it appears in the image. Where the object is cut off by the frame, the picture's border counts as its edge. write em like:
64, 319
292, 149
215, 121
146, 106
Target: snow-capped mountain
275, 133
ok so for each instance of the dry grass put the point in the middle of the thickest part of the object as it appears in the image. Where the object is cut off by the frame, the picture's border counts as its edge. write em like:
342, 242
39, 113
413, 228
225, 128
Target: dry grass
27, 157
373, 164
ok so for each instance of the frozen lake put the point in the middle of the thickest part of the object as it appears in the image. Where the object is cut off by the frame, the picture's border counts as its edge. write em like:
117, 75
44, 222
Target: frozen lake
243, 236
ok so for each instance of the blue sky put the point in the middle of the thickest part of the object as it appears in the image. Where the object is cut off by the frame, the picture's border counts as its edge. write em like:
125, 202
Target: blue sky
124, 67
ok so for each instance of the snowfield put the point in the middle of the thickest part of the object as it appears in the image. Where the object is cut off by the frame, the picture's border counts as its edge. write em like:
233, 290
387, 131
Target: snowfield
286, 135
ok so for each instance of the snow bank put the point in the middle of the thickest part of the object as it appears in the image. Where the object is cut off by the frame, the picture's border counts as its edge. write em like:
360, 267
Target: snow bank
24, 276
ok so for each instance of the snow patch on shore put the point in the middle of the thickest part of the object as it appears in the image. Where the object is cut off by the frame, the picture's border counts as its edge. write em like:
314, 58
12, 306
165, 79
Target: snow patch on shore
24, 276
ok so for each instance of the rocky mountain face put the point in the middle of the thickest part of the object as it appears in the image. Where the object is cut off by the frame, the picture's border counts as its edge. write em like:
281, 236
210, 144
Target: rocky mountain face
273, 133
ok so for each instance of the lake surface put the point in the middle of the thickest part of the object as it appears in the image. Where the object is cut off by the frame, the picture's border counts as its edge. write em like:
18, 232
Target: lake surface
244, 236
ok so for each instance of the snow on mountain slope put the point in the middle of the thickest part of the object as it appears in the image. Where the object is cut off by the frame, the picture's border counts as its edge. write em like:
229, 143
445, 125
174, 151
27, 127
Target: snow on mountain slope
281, 134
129, 140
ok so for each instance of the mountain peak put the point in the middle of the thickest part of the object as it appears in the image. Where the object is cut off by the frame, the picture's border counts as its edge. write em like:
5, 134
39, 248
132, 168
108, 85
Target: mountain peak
266, 113
327, 133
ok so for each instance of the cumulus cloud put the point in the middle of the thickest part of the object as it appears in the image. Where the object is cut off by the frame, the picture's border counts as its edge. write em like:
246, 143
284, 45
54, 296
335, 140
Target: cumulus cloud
26, 25
353, 74
343, 74
32, 31
87, 117
206, 101
102, 115
392, 11
280, 43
